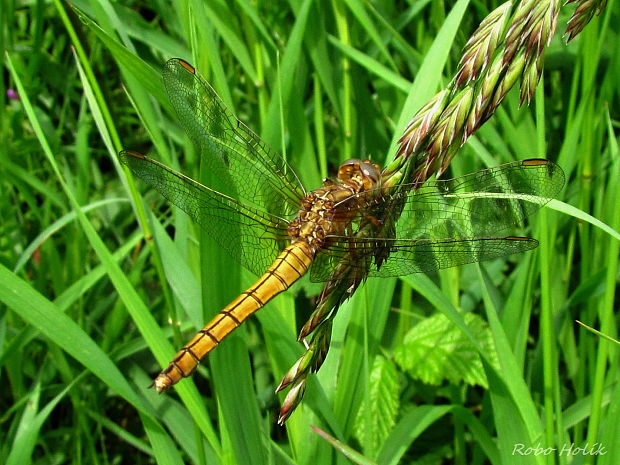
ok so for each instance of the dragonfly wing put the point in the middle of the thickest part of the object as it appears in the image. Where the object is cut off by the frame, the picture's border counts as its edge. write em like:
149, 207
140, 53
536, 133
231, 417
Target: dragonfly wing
408, 256
251, 236
444, 223
248, 169
479, 204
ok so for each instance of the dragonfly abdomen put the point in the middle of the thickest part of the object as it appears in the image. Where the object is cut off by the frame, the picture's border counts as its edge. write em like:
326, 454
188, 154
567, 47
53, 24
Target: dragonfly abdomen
287, 268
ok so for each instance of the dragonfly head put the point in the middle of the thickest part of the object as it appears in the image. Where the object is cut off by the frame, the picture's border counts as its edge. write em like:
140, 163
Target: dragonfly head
364, 171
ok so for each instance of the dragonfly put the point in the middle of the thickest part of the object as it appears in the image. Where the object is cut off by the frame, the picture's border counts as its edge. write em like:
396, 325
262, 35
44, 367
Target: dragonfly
265, 219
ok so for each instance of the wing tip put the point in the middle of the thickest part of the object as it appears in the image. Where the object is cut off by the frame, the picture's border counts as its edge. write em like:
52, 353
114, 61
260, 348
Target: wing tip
518, 238
536, 162
173, 62
126, 155
529, 243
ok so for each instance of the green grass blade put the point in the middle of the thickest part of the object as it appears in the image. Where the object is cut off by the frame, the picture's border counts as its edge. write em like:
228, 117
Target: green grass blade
140, 313
31, 424
60, 329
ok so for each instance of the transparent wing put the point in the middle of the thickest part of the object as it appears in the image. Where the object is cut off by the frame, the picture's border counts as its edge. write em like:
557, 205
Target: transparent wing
408, 256
239, 159
445, 223
251, 236
479, 204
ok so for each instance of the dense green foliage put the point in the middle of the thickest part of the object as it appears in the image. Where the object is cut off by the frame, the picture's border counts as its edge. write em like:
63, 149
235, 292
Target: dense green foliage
87, 301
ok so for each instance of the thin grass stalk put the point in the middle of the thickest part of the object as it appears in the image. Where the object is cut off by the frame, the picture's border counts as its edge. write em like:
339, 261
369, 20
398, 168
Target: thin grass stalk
319, 126
260, 74
605, 353
347, 100
549, 351
585, 168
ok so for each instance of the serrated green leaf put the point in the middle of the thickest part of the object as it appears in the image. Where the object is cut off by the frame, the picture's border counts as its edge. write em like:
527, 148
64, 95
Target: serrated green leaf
377, 414
435, 351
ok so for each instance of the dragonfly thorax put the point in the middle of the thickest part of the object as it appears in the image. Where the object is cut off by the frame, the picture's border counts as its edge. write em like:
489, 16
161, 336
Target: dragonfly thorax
330, 209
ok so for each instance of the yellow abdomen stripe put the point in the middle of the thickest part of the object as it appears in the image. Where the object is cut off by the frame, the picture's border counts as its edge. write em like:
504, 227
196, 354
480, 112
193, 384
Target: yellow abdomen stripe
287, 268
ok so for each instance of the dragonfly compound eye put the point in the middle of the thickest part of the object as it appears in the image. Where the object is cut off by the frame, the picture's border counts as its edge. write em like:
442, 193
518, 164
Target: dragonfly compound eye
349, 168
371, 171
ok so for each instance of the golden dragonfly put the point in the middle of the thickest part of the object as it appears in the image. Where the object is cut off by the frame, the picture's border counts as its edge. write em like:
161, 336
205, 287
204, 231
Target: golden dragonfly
275, 228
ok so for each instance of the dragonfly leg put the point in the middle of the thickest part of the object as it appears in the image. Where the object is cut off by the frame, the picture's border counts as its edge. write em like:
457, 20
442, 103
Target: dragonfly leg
376, 222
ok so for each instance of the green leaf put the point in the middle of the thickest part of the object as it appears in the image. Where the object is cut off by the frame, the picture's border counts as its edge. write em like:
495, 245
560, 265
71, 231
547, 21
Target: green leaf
436, 350
377, 415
